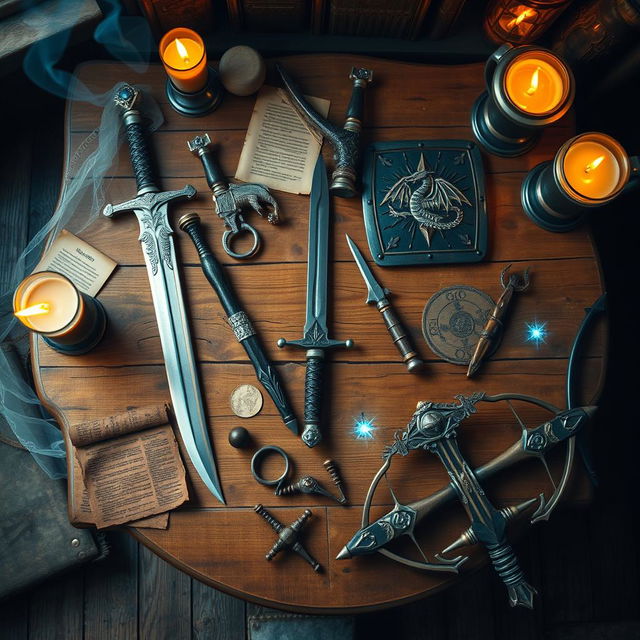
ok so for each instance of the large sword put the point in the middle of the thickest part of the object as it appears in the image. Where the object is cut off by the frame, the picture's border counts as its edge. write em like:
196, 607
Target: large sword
150, 206
315, 339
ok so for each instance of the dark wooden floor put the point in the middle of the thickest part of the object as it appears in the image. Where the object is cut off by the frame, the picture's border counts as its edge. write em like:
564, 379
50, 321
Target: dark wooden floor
584, 563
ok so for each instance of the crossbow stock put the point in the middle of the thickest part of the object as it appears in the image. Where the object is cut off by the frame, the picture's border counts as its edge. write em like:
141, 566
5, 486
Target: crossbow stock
433, 428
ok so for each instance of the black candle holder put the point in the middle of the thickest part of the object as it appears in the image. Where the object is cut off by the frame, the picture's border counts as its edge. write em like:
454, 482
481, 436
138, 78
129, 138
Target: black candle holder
200, 102
499, 125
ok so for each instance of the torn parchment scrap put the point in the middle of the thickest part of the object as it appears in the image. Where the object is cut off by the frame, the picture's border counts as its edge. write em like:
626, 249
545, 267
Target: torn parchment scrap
279, 150
84, 265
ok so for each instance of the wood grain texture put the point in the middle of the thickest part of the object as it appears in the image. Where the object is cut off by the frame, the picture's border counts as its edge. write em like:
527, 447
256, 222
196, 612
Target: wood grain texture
225, 546
111, 594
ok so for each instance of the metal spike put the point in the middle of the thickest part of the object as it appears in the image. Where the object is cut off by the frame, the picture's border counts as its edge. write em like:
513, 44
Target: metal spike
466, 538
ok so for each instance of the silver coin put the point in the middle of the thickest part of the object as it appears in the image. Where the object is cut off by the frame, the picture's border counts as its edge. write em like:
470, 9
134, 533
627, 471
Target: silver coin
246, 401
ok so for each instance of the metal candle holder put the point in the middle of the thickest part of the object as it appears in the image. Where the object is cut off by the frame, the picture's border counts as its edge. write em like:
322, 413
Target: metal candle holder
199, 103
549, 199
499, 125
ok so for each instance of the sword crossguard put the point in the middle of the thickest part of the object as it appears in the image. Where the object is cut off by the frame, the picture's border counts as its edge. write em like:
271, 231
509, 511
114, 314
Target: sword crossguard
306, 343
149, 201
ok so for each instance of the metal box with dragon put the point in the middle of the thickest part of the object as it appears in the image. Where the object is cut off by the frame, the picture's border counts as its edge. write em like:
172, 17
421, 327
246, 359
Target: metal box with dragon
424, 202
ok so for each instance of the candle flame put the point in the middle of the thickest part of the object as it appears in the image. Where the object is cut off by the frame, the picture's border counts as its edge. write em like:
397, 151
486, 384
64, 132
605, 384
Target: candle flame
182, 51
535, 80
594, 164
35, 310
518, 19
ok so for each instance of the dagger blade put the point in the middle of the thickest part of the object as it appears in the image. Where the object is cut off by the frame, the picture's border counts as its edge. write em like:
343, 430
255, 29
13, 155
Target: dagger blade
180, 365
317, 264
375, 293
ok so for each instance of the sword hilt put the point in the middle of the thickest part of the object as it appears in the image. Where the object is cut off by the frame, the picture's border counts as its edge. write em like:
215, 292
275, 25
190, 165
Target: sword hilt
128, 98
313, 382
200, 146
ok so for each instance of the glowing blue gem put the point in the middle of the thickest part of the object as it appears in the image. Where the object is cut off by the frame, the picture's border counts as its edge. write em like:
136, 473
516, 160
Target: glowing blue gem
363, 428
536, 332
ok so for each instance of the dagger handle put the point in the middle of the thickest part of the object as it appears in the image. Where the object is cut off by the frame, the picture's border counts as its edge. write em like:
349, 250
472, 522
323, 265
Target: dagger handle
139, 151
313, 397
399, 336
238, 319
212, 171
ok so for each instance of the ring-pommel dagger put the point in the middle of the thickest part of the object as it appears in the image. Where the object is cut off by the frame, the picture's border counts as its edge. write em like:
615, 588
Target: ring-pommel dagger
346, 140
232, 199
376, 293
315, 339
239, 321
150, 207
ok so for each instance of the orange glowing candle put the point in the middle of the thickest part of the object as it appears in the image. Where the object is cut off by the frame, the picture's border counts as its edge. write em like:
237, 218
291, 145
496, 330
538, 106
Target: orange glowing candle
592, 167
535, 83
184, 57
48, 303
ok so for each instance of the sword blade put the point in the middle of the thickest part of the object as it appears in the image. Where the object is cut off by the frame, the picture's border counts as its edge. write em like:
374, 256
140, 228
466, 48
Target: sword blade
180, 365
317, 265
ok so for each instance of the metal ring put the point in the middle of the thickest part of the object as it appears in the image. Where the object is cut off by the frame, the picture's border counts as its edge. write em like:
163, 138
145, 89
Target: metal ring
259, 455
228, 236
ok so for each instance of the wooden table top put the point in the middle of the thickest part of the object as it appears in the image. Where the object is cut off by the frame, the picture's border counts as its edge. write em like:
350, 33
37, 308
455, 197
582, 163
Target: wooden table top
225, 546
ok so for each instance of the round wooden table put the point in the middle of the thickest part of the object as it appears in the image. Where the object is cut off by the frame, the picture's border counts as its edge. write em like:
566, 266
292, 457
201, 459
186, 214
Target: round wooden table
225, 546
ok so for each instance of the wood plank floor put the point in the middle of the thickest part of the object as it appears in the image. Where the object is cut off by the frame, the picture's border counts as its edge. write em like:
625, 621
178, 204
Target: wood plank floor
585, 563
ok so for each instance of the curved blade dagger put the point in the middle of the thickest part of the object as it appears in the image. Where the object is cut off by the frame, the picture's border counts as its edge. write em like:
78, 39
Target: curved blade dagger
150, 207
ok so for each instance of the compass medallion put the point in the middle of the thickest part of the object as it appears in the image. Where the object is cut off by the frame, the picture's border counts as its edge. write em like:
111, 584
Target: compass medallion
424, 202
452, 321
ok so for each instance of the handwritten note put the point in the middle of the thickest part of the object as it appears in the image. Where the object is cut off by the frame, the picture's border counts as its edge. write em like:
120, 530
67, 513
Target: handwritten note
280, 151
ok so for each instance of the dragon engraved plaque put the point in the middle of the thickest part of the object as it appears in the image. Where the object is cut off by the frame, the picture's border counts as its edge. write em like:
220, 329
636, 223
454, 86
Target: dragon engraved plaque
424, 202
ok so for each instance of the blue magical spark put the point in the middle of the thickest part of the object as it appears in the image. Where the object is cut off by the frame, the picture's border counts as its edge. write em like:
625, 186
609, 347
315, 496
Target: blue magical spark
363, 428
536, 332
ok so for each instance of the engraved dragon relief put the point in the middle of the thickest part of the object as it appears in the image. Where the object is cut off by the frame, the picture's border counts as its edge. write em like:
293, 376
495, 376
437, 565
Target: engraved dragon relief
155, 236
434, 203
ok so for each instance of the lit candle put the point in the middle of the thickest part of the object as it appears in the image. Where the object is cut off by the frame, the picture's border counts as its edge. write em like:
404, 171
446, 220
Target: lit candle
591, 169
48, 303
587, 172
183, 55
534, 85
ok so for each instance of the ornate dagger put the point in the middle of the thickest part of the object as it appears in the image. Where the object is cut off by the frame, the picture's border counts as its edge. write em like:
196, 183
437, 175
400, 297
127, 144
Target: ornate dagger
493, 326
232, 199
238, 320
315, 338
150, 207
345, 141
375, 293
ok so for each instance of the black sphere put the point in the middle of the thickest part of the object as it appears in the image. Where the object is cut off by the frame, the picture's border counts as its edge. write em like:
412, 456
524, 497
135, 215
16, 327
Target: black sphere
239, 437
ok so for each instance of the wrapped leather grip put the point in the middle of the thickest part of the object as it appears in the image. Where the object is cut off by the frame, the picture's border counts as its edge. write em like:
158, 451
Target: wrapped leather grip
212, 171
212, 269
312, 399
140, 157
356, 104
399, 336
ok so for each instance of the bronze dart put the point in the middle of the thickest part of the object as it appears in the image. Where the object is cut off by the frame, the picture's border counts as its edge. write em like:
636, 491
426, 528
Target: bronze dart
378, 294
493, 326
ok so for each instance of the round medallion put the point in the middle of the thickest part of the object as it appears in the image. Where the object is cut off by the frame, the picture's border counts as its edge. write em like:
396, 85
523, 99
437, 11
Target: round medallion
452, 321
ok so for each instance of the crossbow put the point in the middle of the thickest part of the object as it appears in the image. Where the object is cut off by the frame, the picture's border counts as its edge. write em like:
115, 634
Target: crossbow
433, 428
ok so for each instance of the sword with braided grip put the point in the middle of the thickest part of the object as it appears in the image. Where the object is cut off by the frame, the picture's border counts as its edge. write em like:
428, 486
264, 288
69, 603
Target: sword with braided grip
150, 207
